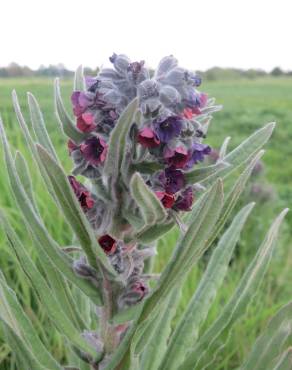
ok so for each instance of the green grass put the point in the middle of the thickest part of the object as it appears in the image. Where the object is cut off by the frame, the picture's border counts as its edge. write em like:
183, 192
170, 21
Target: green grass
248, 104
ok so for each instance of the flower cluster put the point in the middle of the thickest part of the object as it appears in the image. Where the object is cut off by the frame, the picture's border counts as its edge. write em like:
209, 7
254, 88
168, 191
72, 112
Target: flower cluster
172, 125
174, 120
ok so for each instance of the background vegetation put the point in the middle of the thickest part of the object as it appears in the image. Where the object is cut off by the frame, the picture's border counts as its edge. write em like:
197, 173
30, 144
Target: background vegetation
248, 104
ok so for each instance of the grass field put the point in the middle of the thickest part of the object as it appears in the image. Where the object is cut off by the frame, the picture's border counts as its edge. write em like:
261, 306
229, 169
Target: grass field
248, 104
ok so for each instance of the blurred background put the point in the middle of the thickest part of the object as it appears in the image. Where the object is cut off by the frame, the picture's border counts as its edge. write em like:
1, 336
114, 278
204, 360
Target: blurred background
242, 49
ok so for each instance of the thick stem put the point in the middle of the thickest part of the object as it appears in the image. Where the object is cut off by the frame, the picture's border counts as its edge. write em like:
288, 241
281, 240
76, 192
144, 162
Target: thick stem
108, 333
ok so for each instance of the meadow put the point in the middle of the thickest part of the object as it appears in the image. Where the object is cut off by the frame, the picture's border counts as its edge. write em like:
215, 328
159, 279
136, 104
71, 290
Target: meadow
248, 104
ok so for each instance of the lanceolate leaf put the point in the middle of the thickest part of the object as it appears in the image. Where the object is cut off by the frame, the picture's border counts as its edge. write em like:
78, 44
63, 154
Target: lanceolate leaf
69, 127
269, 345
186, 332
39, 126
239, 301
79, 83
24, 176
285, 361
223, 149
25, 358
61, 261
73, 212
150, 206
52, 306
22, 326
243, 152
161, 328
202, 174
186, 254
117, 143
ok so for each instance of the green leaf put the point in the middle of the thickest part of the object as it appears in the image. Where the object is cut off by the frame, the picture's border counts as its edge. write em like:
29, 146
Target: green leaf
243, 152
161, 328
25, 359
202, 174
51, 305
188, 251
64, 119
223, 149
117, 144
154, 232
187, 330
56, 279
236, 307
24, 176
62, 261
268, 346
73, 212
13, 315
39, 126
79, 82
150, 206
285, 361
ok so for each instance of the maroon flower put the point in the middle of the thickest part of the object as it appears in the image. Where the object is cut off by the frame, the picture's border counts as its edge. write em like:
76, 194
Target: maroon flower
85, 122
166, 199
81, 101
172, 180
82, 194
94, 150
184, 201
108, 244
148, 138
177, 157
71, 146
139, 288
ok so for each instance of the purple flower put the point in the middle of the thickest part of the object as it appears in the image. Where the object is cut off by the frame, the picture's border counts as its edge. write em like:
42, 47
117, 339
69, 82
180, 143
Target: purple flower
197, 154
172, 180
185, 200
94, 150
168, 128
136, 67
81, 101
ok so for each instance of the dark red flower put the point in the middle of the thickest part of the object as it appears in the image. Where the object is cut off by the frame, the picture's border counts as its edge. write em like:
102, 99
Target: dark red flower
81, 100
71, 146
148, 138
166, 199
184, 201
177, 157
83, 195
94, 150
85, 122
108, 244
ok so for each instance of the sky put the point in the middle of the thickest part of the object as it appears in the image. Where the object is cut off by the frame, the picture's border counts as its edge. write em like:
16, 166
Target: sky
200, 33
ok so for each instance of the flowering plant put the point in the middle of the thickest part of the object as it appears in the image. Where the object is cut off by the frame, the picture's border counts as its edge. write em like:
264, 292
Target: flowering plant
137, 140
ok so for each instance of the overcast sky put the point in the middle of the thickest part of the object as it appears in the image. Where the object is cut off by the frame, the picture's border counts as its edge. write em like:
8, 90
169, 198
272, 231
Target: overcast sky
200, 33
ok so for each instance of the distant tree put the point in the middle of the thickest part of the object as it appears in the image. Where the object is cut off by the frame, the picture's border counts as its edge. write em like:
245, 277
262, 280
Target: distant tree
277, 71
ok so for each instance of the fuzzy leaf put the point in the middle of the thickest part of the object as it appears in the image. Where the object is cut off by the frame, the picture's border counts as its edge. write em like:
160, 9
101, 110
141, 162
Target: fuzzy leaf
39, 126
117, 144
13, 315
64, 119
239, 301
154, 232
223, 149
202, 174
79, 82
35, 224
150, 206
24, 176
285, 361
268, 345
186, 331
52, 306
73, 212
